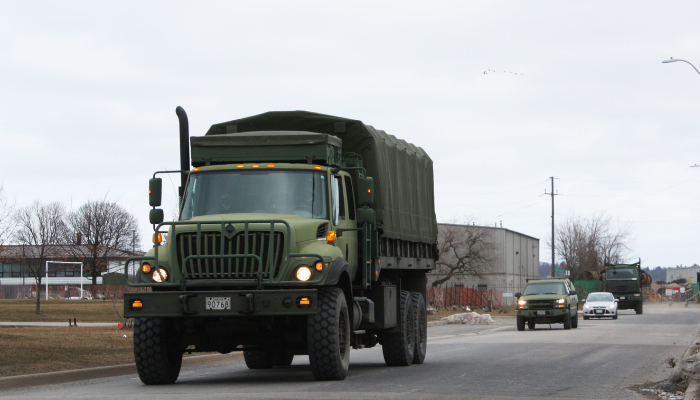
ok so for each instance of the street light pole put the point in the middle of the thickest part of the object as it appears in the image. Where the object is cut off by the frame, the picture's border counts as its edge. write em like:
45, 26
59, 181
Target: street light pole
670, 60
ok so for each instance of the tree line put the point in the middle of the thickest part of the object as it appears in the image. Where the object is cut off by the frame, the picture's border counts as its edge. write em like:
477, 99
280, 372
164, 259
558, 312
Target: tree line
88, 234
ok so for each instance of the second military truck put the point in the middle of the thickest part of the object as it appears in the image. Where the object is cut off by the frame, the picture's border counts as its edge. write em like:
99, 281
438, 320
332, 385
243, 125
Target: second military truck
298, 233
625, 282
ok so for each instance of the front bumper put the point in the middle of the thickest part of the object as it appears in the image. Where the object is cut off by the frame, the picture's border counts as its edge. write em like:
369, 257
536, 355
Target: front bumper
546, 314
241, 303
593, 313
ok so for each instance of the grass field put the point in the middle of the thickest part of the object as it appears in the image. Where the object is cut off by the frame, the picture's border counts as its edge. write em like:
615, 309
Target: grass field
38, 350
60, 310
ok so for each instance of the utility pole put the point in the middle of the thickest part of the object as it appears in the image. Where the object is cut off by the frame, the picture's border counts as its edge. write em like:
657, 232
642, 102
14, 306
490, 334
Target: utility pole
552, 193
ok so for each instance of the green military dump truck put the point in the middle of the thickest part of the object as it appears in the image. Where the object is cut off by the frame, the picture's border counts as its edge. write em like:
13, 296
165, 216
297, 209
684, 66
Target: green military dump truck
547, 301
625, 282
299, 233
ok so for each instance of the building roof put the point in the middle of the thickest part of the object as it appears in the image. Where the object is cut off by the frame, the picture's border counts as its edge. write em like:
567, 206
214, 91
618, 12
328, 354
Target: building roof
58, 252
488, 227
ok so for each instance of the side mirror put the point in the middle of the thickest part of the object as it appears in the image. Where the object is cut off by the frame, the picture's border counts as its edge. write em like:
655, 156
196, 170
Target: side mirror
617, 300
155, 216
572, 292
365, 215
155, 189
583, 301
365, 187
517, 295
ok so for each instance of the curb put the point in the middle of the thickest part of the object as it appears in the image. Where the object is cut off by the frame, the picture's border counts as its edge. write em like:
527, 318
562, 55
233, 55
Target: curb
691, 391
13, 382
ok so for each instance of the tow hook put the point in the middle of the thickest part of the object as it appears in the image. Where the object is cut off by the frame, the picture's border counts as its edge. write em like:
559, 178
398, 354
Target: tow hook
251, 303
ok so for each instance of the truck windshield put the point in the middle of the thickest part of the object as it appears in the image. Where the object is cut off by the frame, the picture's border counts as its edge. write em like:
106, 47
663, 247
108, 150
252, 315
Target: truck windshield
621, 275
302, 193
544, 288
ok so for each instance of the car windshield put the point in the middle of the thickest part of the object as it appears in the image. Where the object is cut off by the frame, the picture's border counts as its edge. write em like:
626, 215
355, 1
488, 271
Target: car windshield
616, 274
544, 288
600, 297
302, 193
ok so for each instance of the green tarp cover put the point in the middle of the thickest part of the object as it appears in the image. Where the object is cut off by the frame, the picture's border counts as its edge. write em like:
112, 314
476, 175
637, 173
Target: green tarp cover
403, 173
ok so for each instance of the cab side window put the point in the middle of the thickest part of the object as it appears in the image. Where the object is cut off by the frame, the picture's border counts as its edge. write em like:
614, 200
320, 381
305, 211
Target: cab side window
351, 198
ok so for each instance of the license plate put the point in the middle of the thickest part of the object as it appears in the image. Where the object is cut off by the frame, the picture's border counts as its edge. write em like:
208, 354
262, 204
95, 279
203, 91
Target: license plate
622, 298
598, 311
218, 303
541, 312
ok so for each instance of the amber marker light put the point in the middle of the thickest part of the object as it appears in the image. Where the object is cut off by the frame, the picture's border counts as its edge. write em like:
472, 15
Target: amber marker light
330, 237
270, 166
304, 301
369, 190
317, 167
146, 268
136, 304
240, 166
160, 238
197, 169
319, 266
255, 166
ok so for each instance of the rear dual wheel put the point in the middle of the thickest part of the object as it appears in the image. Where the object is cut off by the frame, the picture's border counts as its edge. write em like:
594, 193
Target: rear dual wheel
399, 347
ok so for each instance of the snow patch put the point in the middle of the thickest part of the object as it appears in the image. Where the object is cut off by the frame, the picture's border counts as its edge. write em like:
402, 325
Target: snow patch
469, 318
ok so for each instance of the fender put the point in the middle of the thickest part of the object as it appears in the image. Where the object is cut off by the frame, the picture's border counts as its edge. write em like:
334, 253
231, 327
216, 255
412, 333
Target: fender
339, 266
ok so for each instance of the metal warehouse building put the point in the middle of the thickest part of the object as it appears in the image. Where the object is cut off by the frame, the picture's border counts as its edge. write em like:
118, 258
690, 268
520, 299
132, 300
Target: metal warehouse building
690, 274
517, 258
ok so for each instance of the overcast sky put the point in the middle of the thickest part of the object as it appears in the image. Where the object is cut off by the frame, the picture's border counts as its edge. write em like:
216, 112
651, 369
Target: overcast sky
501, 95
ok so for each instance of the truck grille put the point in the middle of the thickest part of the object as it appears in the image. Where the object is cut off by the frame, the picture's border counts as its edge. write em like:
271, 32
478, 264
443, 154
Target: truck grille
229, 268
540, 304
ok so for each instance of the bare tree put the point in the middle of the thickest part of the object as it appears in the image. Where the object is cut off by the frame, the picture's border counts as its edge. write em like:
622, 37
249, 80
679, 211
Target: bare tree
95, 230
464, 249
587, 244
6, 220
39, 229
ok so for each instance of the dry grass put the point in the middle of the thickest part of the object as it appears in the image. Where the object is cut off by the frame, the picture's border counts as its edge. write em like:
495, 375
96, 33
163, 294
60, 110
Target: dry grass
60, 310
38, 350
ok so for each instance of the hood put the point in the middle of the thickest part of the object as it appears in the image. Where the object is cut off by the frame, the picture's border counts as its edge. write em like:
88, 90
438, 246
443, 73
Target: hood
302, 229
544, 296
599, 303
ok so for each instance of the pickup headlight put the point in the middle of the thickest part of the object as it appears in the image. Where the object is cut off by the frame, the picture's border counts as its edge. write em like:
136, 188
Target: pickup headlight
560, 303
522, 304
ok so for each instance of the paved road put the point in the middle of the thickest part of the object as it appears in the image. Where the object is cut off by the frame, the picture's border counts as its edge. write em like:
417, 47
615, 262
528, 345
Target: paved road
599, 360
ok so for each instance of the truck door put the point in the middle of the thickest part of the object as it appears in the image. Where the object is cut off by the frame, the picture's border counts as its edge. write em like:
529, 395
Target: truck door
344, 218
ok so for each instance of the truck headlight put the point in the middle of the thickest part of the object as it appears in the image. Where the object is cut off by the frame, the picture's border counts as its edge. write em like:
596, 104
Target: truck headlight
561, 301
160, 275
522, 304
304, 273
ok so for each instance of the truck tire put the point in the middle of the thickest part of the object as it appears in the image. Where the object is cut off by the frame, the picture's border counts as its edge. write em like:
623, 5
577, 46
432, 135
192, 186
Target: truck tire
399, 347
156, 350
328, 336
421, 324
574, 321
258, 357
531, 324
639, 308
567, 321
520, 322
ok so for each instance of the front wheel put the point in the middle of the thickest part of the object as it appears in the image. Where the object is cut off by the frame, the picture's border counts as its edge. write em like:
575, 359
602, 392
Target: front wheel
567, 321
398, 347
574, 321
520, 322
157, 351
328, 336
531, 324
639, 308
